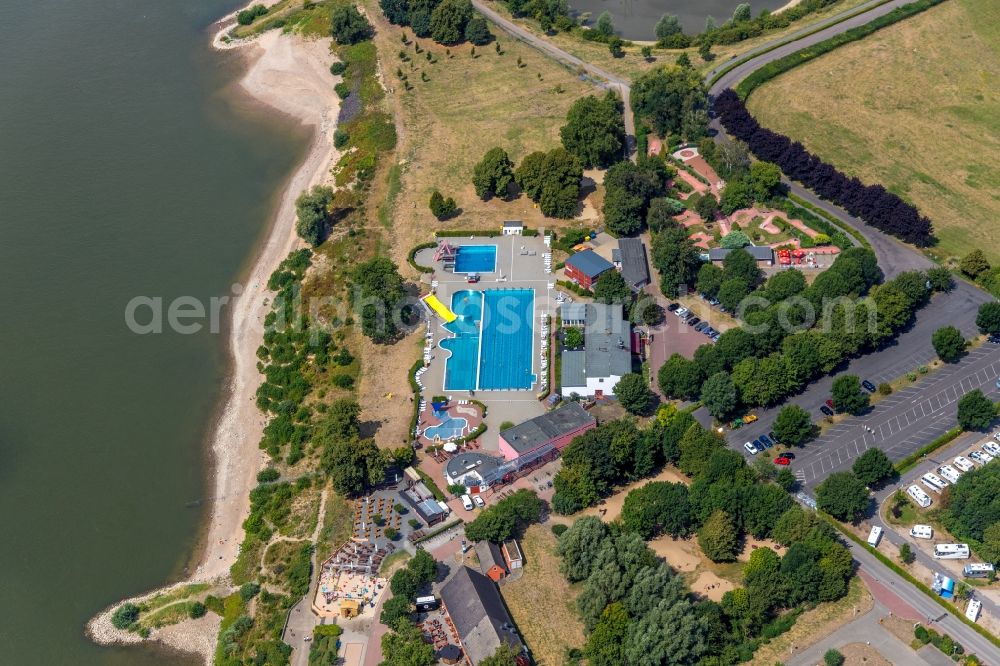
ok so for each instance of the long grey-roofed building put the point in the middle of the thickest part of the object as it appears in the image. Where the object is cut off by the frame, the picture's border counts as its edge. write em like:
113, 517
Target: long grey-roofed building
762, 253
555, 429
481, 620
635, 268
605, 358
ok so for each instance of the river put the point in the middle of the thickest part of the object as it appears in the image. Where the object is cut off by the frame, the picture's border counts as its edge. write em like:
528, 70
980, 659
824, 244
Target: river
636, 19
128, 166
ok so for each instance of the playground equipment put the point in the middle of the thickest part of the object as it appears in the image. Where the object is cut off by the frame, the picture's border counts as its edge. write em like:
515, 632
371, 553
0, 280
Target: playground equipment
439, 308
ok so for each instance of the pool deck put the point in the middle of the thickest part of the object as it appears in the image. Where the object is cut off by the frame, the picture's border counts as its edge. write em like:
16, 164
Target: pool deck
514, 271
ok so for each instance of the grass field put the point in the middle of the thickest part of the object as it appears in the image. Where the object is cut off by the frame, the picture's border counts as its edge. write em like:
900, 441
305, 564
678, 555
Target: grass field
916, 107
541, 602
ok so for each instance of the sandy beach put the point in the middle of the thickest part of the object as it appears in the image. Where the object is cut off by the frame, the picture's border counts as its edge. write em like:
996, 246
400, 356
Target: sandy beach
291, 75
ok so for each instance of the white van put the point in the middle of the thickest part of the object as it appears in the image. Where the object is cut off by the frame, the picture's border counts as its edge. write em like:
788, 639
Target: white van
951, 551
922, 532
467, 502
922, 499
991, 448
949, 473
934, 482
964, 464
972, 610
978, 570
874, 536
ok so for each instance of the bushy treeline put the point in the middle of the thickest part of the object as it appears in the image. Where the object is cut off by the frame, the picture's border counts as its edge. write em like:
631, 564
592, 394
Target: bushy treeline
404, 644
500, 521
872, 203
445, 21
734, 30
636, 610
972, 511
776, 353
550, 179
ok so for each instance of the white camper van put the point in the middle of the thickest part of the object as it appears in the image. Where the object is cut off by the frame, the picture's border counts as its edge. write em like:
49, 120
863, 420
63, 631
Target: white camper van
922, 499
934, 482
978, 570
951, 551
949, 473
874, 536
467, 502
922, 532
964, 464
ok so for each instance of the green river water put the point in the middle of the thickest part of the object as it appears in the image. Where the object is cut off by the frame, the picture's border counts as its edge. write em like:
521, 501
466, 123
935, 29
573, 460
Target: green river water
129, 166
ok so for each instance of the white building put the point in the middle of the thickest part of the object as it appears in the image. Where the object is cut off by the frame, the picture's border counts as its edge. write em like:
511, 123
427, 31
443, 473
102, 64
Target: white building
606, 355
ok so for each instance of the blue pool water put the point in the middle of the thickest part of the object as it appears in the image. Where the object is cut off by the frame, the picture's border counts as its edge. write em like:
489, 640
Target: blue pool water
460, 371
508, 325
450, 428
504, 318
476, 259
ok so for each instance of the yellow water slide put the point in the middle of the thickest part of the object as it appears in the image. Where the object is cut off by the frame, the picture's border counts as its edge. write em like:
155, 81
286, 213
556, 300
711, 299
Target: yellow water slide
434, 304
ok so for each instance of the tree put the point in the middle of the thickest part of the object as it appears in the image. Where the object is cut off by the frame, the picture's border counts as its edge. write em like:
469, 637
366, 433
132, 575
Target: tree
706, 206
312, 210
765, 177
611, 288
974, 263
679, 377
948, 343
731, 293
873, 467
504, 656
405, 646
633, 393
125, 616
786, 479
477, 32
848, 395
378, 290
732, 159
396, 11
742, 13
717, 538
832, 657
668, 26
683, 60
719, 395
348, 26
578, 548
740, 264
595, 130
906, 555
616, 46
606, 643
675, 257
657, 508
735, 240
940, 279
766, 502
988, 318
843, 496
440, 207
572, 339
552, 180
646, 52
705, 51
737, 195
449, 19
709, 280
666, 96
975, 411
393, 609
605, 25
628, 190
493, 174
499, 522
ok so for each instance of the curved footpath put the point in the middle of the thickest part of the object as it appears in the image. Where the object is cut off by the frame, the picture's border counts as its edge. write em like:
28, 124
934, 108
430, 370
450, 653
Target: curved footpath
893, 256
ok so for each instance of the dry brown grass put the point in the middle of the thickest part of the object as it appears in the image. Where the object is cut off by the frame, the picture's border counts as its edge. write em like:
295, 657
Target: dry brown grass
542, 603
916, 107
816, 624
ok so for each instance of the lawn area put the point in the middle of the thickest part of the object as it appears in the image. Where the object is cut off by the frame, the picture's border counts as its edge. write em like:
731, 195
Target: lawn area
925, 122
541, 602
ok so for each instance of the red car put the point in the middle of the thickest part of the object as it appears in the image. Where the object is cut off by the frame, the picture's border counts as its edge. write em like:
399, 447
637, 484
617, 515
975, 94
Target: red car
472, 279
782, 460
829, 403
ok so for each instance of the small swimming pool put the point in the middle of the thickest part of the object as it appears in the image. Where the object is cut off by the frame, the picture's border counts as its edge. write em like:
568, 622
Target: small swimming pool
450, 428
476, 259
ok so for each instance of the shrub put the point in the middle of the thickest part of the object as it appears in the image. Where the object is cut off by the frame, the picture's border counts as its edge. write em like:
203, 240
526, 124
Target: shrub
343, 89
559, 529
267, 475
884, 388
391, 534
340, 138
248, 16
338, 68
248, 591
831, 657
125, 616
441, 207
348, 26
197, 610
414, 523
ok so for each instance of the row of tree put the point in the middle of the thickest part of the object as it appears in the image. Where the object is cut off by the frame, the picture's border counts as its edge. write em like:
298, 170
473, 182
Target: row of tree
445, 21
550, 179
972, 511
872, 203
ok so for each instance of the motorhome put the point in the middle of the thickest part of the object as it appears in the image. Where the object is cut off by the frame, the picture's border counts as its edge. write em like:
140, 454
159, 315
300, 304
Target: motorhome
922, 499
467, 502
934, 482
922, 532
949, 473
428, 603
978, 570
972, 610
991, 448
951, 551
874, 536
964, 464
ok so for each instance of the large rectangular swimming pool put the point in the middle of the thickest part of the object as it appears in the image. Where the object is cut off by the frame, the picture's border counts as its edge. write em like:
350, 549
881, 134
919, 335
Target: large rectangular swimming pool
493, 340
476, 259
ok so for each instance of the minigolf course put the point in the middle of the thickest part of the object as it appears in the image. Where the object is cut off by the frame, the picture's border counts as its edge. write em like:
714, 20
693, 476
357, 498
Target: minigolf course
431, 301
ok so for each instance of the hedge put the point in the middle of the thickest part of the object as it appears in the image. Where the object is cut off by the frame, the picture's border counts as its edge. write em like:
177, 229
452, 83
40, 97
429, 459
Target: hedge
575, 288
415, 387
782, 65
431, 486
825, 221
488, 233
411, 257
911, 461
910, 579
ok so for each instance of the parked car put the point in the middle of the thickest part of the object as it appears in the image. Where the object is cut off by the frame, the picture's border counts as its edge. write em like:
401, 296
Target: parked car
985, 455
687, 315
767, 441
826, 410
996, 435
749, 418
980, 457
868, 386
992, 449
751, 449
673, 306
763, 443
995, 339
715, 338
713, 301
829, 403
472, 278
789, 455
466, 502
478, 501
680, 312
693, 321
773, 438
701, 326
782, 460
709, 331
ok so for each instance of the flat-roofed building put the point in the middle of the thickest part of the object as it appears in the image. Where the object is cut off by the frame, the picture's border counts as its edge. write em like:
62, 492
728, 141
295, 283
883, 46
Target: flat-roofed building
553, 430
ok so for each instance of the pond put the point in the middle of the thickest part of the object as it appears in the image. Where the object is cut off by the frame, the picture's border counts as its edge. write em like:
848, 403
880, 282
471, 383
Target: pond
636, 19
